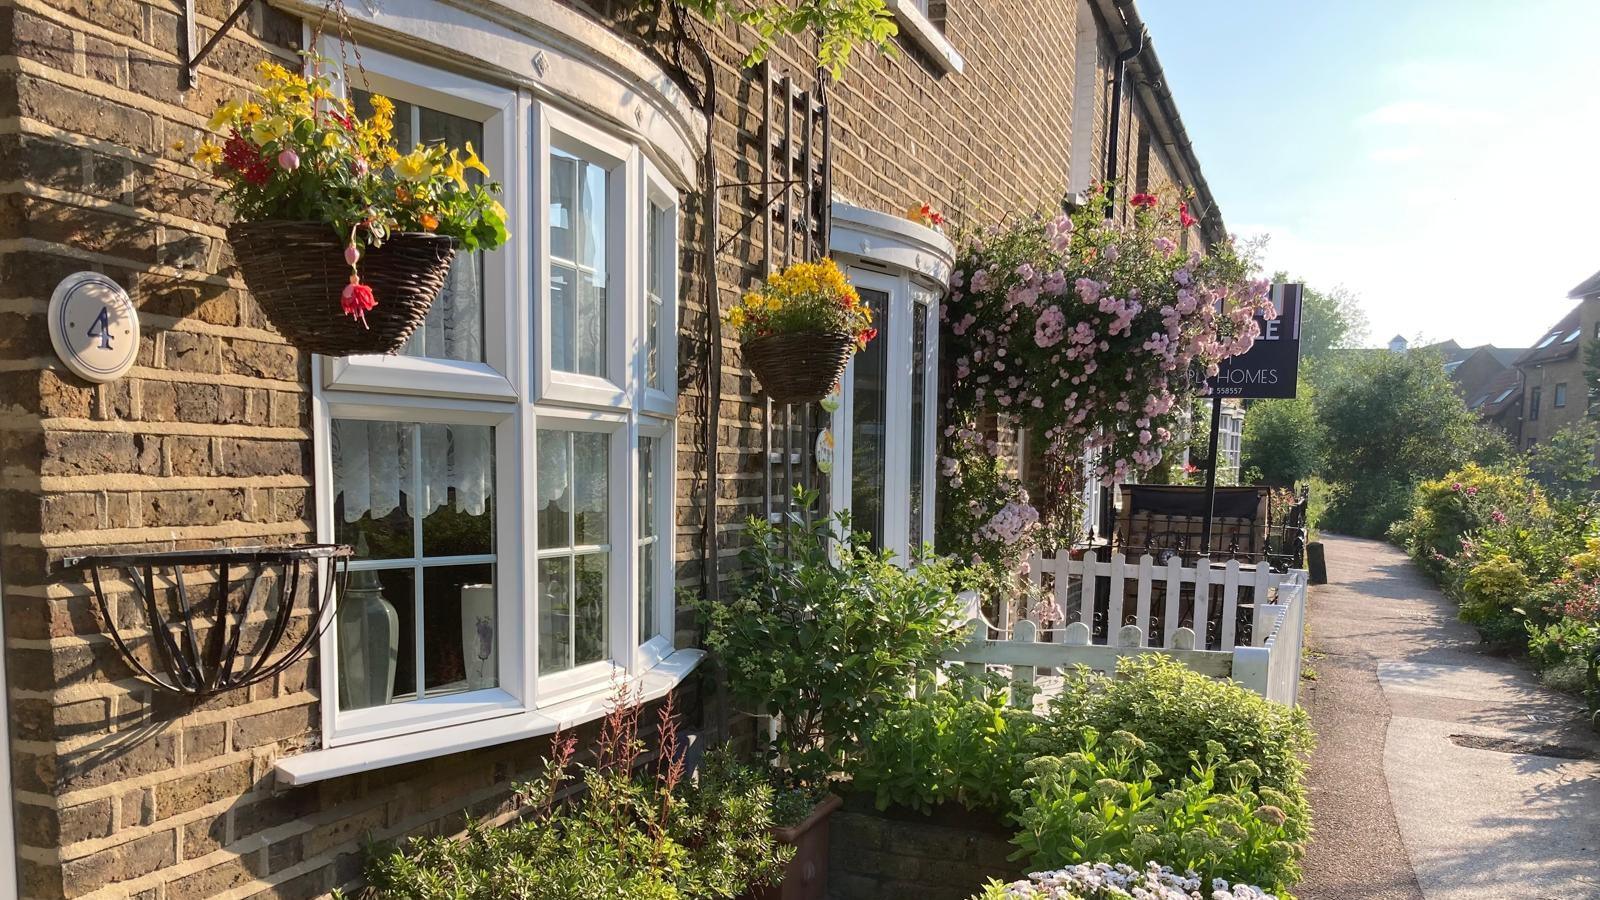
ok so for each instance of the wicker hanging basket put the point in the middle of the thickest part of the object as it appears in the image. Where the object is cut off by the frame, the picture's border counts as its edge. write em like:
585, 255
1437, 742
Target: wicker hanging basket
799, 366
297, 272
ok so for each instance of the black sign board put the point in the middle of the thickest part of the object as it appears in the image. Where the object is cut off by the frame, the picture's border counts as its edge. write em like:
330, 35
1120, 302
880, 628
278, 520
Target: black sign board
1272, 367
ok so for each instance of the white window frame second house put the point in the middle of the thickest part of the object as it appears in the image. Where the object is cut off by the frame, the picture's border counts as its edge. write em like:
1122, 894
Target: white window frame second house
515, 391
909, 264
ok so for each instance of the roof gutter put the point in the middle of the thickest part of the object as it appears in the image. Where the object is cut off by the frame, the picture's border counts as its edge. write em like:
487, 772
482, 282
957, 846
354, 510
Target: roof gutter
1125, 27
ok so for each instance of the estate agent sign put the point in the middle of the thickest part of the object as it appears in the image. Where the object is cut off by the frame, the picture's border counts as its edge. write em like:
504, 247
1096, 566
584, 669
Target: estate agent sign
1272, 367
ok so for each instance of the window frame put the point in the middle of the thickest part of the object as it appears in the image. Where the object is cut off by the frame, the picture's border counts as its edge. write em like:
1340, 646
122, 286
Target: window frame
549, 128
496, 106
905, 296
1535, 396
515, 391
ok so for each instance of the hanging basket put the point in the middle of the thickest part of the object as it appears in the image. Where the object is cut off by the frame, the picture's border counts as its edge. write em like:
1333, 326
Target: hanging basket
799, 366
297, 272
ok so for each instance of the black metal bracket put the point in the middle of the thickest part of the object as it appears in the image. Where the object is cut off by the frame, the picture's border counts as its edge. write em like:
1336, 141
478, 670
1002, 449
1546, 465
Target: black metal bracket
187, 40
201, 639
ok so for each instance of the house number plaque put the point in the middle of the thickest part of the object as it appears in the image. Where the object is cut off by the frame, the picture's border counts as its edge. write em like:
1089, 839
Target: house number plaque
94, 326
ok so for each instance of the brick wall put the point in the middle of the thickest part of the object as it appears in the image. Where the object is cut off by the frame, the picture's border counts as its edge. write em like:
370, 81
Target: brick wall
121, 792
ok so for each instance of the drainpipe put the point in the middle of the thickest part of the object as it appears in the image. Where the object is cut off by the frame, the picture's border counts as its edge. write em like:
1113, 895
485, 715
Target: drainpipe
1120, 74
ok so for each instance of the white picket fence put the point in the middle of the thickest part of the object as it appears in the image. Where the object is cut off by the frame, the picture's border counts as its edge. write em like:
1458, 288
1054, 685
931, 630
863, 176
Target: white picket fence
1268, 664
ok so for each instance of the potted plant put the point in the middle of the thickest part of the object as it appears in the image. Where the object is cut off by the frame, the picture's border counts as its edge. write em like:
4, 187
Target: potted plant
799, 329
344, 240
826, 637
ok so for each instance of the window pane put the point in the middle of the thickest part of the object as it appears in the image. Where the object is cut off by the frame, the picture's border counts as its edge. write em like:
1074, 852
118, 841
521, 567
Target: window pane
647, 487
555, 614
458, 628
592, 247
552, 495
563, 196
656, 231
919, 397
563, 318
579, 251
647, 591
372, 484
591, 490
377, 639
591, 324
457, 490
590, 616
453, 328
867, 434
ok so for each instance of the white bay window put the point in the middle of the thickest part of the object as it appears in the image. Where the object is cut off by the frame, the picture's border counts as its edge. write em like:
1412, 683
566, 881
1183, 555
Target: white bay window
507, 478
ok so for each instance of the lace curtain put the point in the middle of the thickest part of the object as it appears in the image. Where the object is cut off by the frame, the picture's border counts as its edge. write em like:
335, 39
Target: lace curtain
372, 467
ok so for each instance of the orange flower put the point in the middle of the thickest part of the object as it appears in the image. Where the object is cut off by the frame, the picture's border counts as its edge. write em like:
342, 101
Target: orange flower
429, 221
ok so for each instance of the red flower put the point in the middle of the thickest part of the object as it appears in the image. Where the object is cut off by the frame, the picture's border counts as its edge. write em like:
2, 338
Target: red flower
1184, 216
1144, 201
357, 300
241, 156
868, 335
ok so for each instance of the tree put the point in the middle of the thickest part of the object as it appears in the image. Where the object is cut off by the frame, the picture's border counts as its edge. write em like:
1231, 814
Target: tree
1565, 465
1282, 439
1392, 420
1329, 320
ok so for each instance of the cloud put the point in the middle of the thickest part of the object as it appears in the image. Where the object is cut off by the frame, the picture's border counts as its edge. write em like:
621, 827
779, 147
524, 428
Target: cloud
1426, 114
1396, 153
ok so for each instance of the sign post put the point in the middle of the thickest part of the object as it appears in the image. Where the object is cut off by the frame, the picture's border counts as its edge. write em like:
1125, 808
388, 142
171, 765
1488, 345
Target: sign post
1270, 370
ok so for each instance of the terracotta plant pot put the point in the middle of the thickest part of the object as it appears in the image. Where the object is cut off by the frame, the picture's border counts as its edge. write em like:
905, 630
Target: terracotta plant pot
807, 875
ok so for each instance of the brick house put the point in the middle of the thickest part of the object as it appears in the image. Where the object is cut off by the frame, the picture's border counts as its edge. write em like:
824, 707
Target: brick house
221, 434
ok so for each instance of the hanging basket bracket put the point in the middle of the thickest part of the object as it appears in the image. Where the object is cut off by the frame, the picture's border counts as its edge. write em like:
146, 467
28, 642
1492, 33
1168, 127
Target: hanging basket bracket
189, 37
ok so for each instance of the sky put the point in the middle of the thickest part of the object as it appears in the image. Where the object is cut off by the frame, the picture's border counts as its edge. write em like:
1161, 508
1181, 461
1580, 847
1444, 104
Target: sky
1438, 158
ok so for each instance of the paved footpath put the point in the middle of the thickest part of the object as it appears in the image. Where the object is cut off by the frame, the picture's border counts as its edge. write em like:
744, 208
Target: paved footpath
1442, 772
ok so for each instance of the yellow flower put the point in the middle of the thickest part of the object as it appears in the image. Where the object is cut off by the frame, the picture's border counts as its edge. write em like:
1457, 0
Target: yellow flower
271, 71
208, 154
382, 107
455, 171
473, 162
736, 317
224, 115
414, 166
179, 146
268, 130
331, 139
251, 113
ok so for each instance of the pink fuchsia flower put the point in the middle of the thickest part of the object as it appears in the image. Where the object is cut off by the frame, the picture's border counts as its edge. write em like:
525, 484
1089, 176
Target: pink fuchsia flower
352, 255
357, 300
289, 160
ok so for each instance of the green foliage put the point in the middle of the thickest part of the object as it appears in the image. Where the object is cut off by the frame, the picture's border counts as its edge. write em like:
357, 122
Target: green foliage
1564, 464
958, 745
828, 635
1282, 439
1493, 588
1444, 511
1104, 803
650, 837
1392, 420
839, 25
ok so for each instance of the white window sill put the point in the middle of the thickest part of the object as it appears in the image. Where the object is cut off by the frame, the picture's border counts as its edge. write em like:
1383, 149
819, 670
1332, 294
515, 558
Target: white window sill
915, 25
319, 765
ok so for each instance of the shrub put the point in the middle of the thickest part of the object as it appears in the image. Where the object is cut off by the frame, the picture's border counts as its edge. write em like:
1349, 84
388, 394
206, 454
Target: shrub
1174, 710
828, 635
960, 745
1102, 881
1492, 589
649, 836
1448, 509
1102, 803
